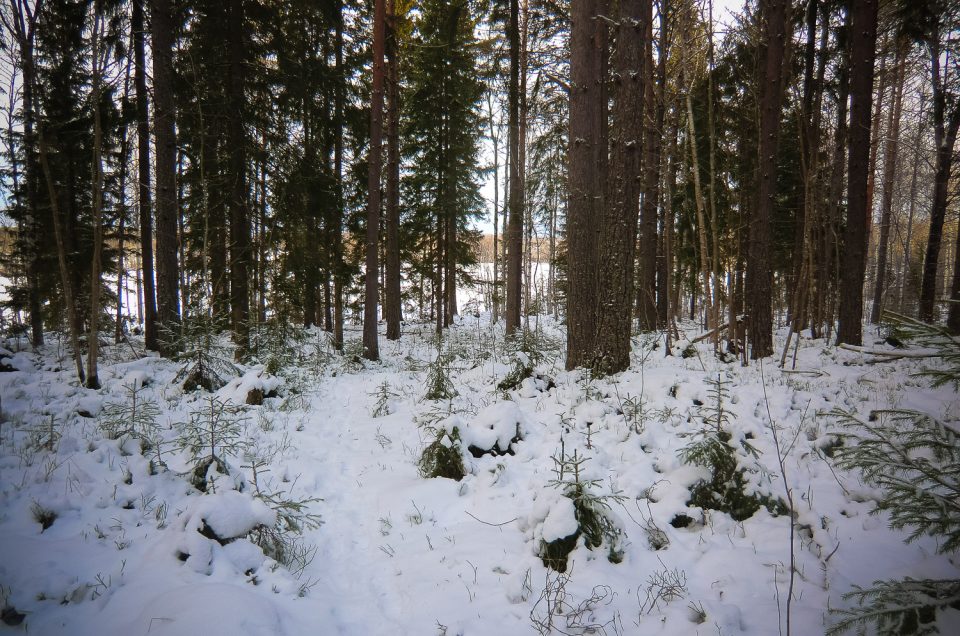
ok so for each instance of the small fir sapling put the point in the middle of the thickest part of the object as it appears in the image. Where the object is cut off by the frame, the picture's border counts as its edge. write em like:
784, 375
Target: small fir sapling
439, 385
382, 395
726, 489
592, 512
207, 359
214, 432
135, 418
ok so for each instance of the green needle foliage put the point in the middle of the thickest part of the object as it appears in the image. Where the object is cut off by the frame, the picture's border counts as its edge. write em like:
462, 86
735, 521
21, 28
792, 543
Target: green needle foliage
914, 459
214, 432
726, 489
134, 418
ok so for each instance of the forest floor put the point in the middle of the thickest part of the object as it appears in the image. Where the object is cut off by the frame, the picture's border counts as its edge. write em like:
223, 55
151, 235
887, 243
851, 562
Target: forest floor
100, 534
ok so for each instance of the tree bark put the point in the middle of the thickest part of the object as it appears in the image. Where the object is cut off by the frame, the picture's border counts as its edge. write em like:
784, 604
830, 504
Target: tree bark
168, 303
863, 44
759, 283
96, 169
653, 115
392, 301
514, 229
239, 251
587, 159
371, 348
618, 224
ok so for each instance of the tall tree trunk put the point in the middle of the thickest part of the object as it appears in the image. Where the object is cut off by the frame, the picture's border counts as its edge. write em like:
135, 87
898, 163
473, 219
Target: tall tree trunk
337, 221
96, 170
514, 229
371, 347
168, 303
618, 223
945, 137
495, 139
392, 302
653, 115
863, 44
759, 282
826, 290
238, 202
890, 153
24, 21
704, 253
587, 159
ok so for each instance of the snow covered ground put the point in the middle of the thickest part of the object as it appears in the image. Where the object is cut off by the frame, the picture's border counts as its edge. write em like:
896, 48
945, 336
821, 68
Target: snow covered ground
132, 548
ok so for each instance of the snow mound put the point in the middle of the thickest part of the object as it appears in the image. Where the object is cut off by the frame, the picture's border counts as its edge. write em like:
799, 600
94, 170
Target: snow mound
494, 429
228, 515
250, 388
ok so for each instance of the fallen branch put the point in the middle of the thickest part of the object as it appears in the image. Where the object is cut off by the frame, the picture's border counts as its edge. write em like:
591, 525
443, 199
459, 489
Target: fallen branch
890, 355
707, 334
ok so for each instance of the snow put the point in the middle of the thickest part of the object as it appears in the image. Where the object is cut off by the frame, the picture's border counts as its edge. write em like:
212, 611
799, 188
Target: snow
130, 550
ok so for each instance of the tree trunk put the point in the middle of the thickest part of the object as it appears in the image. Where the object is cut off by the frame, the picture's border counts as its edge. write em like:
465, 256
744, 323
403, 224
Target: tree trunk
239, 213
337, 222
863, 45
653, 116
618, 223
24, 21
168, 303
890, 153
704, 253
371, 348
96, 169
514, 229
587, 159
945, 136
759, 284
391, 305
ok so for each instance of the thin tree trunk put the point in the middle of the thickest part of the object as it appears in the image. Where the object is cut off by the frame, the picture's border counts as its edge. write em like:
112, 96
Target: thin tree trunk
862, 53
495, 139
705, 269
96, 169
653, 116
73, 317
514, 229
945, 137
23, 26
908, 244
890, 155
337, 222
371, 348
391, 305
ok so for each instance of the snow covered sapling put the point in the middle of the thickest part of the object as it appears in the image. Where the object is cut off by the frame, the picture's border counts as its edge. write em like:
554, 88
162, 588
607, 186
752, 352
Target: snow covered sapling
214, 431
383, 394
443, 456
439, 385
281, 541
726, 489
523, 347
135, 418
591, 510
207, 360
